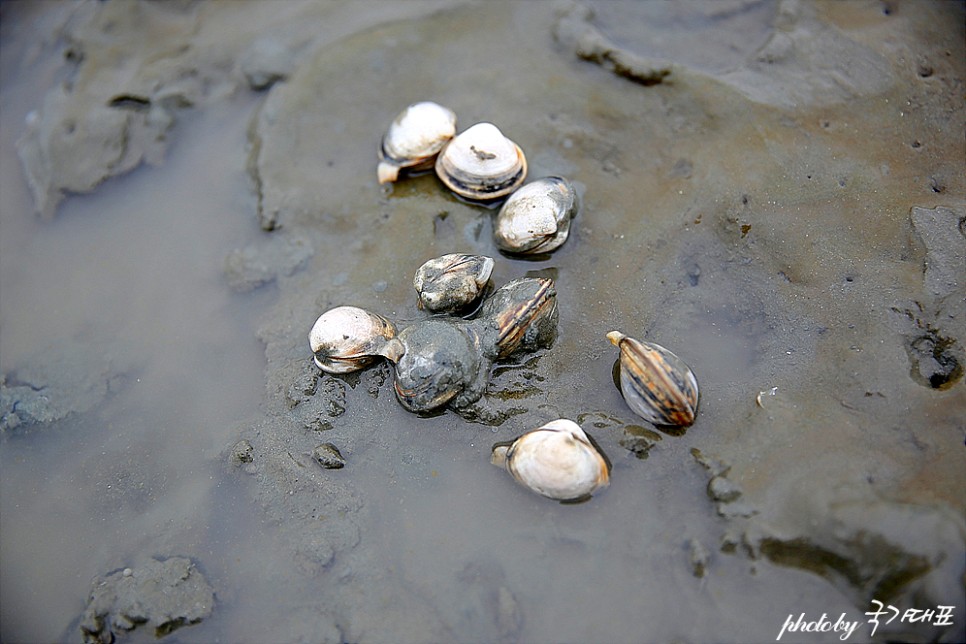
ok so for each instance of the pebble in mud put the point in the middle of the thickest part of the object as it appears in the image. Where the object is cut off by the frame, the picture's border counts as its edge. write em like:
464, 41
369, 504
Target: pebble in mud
328, 456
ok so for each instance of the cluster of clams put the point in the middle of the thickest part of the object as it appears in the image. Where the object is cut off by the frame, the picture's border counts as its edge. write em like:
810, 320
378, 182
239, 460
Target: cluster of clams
443, 360
481, 165
446, 359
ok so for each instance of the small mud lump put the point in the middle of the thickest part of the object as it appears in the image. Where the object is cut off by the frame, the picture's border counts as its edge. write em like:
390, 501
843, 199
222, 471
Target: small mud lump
164, 595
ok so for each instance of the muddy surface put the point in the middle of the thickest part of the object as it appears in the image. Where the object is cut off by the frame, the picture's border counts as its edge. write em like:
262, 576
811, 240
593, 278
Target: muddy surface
772, 190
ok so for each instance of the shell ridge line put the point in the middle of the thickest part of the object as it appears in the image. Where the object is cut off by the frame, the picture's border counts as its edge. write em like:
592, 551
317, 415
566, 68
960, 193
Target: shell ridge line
534, 304
637, 376
656, 369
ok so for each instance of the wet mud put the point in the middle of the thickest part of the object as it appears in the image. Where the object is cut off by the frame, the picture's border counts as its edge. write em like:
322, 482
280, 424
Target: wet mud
771, 190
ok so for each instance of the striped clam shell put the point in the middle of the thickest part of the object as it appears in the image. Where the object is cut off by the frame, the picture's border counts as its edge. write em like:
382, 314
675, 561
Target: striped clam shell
656, 384
524, 314
480, 164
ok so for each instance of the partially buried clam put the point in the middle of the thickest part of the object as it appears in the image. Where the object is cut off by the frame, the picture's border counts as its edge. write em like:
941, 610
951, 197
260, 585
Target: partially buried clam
536, 218
556, 460
453, 282
656, 384
446, 361
414, 138
438, 362
520, 315
348, 338
481, 164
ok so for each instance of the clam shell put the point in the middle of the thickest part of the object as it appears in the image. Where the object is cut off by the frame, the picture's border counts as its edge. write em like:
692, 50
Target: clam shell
656, 384
481, 164
556, 460
348, 338
414, 138
452, 282
435, 361
536, 218
522, 314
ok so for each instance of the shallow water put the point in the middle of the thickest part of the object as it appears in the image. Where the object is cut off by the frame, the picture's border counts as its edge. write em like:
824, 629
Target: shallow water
130, 278
751, 238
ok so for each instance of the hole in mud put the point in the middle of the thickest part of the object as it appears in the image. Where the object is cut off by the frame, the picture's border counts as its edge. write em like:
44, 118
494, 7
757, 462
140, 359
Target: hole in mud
889, 8
934, 361
130, 102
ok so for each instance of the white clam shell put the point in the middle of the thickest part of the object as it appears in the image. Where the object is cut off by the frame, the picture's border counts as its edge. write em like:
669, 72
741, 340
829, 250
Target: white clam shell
348, 338
536, 218
481, 164
452, 282
556, 460
657, 385
414, 138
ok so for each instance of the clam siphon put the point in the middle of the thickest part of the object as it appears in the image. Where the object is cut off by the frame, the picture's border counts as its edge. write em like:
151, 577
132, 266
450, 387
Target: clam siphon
657, 385
556, 460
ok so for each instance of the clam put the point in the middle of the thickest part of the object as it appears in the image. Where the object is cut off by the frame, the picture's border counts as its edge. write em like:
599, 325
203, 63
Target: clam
520, 315
536, 218
481, 164
656, 384
556, 460
438, 362
414, 138
452, 282
348, 338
